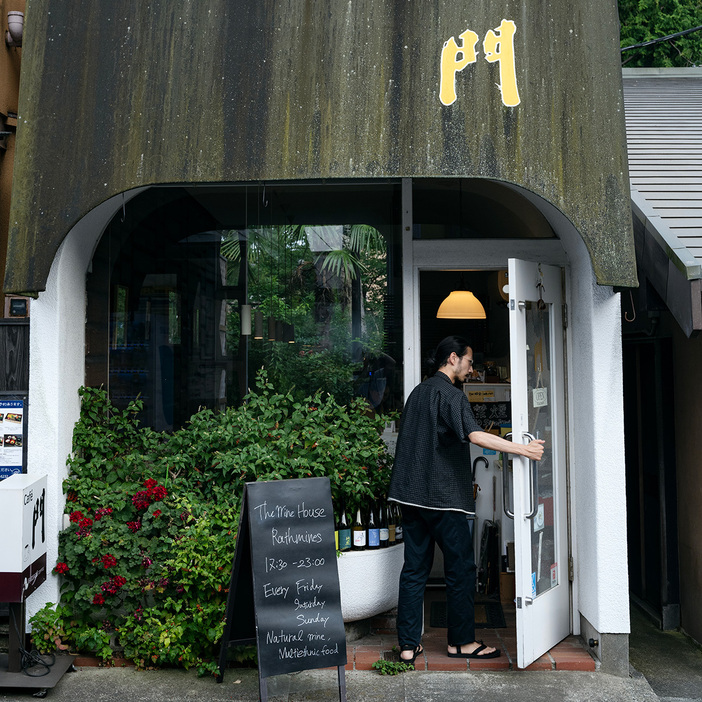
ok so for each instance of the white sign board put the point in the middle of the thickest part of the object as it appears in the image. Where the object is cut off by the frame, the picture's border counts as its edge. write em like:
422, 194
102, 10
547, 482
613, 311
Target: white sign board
23, 526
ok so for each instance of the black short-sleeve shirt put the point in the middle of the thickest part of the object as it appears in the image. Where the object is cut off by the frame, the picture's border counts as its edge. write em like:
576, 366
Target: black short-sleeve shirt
432, 458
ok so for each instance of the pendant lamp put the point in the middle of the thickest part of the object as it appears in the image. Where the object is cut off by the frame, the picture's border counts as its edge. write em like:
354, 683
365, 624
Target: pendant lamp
461, 304
288, 333
246, 320
258, 324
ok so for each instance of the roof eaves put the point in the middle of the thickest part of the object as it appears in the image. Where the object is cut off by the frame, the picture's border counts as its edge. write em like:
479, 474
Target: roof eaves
675, 249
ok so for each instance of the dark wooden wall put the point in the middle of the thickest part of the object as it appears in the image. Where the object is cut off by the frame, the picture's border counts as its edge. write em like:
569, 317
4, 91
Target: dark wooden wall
14, 356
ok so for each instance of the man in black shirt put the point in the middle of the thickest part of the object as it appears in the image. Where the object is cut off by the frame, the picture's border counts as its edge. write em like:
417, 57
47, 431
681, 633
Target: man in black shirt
431, 480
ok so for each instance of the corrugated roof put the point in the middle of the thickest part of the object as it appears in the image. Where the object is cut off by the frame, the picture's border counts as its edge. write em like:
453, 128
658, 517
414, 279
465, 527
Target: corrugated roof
664, 137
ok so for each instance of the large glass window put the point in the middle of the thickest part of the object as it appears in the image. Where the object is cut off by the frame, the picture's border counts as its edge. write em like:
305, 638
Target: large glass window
180, 271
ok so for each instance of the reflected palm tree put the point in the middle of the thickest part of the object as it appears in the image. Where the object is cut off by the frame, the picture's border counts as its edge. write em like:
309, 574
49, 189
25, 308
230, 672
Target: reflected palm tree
320, 278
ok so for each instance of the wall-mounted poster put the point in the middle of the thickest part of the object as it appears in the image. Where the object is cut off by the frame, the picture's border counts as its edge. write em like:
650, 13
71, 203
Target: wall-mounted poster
11, 437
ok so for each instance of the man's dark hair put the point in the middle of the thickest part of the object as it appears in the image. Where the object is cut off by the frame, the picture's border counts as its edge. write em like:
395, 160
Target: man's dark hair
445, 348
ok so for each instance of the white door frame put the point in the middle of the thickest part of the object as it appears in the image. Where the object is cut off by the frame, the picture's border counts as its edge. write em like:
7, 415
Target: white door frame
478, 254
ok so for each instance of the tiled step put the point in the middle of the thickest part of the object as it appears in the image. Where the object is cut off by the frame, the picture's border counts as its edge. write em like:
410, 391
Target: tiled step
570, 654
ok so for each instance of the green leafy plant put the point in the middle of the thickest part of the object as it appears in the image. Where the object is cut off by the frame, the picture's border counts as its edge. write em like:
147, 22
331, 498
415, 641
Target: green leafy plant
645, 20
391, 667
49, 629
146, 559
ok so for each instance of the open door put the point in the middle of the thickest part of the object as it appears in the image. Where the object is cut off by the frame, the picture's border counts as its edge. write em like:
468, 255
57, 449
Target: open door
539, 504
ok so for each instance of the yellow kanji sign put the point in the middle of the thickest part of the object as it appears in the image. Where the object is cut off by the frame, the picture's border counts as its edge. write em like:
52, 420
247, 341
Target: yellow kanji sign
498, 47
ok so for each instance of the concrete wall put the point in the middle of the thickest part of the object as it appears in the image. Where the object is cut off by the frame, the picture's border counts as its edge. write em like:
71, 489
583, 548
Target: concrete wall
175, 91
688, 441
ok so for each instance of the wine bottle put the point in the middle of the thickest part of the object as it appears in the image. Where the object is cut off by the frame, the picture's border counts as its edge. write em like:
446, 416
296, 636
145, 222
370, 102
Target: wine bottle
373, 529
359, 532
337, 522
384, 528
344, 530
390, 510
398, 524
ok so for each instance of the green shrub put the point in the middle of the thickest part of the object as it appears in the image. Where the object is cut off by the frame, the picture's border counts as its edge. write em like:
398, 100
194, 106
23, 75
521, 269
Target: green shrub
146, 561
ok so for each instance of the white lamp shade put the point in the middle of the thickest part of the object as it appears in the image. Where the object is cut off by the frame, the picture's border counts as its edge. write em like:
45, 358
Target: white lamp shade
461, 304
246, 320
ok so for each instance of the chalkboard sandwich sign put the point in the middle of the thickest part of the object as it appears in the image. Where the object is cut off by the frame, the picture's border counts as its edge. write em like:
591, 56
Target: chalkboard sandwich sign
285, 572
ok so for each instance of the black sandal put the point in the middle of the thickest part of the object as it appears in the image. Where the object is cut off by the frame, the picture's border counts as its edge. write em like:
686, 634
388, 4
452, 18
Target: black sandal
476, 654
416, 651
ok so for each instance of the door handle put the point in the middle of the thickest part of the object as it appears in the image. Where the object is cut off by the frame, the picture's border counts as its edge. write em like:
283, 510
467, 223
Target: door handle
533, 482
505, 482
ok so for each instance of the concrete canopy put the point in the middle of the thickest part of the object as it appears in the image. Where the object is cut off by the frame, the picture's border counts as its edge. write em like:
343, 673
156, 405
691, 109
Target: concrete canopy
116, 96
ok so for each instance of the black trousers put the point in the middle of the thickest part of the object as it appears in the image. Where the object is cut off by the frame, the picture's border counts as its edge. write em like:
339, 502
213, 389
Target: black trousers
423, 528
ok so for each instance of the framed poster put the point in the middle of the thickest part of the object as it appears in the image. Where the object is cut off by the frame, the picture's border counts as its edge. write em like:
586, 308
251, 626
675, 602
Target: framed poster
12, 436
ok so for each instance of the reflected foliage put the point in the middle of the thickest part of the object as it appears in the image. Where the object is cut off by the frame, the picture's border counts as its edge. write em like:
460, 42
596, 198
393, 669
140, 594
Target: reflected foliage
328, 282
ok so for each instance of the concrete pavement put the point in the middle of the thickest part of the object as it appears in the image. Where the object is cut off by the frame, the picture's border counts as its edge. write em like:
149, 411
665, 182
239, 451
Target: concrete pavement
670, 661
120, 684
666, 667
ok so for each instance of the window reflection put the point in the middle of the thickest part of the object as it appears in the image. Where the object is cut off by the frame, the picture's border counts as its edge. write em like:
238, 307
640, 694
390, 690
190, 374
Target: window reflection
319, 265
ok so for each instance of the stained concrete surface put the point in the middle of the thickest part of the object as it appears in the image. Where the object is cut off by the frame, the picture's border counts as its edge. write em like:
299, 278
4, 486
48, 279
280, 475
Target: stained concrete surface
666, 667
113, 684
670, 661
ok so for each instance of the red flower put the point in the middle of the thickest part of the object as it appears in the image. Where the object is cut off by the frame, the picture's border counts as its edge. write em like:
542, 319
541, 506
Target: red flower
141, 500
98, 599
112, 586
134, 526
157, 513
85, 522
61, 568
103, 511
159, 493
150, 484
75, 516
108, 560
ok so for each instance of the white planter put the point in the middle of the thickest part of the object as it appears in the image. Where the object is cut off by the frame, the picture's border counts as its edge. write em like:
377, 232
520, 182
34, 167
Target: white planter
369, 581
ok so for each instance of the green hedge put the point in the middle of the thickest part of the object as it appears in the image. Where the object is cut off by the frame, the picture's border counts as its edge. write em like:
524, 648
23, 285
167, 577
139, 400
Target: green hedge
146, 560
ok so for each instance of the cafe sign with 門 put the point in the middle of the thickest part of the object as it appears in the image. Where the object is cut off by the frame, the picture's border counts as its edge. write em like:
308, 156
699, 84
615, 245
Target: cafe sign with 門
24, 531
498, 47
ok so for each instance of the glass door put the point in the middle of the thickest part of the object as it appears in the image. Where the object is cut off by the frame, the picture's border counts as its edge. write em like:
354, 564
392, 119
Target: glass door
539, 488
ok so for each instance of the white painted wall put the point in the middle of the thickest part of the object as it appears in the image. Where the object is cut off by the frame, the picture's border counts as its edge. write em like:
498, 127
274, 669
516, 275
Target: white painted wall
597, 470
56, 372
